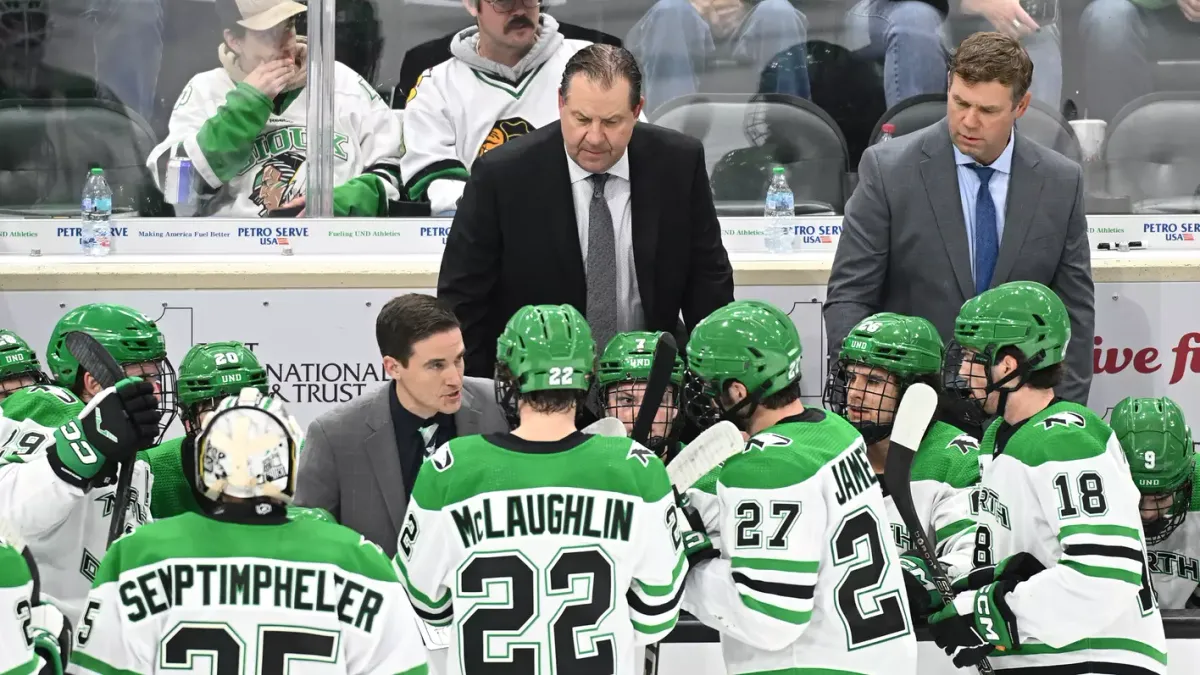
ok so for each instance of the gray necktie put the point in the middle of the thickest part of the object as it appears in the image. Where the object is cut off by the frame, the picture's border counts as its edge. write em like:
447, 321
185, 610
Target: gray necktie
601, 266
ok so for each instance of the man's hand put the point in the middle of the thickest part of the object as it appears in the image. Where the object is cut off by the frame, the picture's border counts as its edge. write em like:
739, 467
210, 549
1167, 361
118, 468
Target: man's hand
52, 638
1190, 9
270, 77
1007, 16
923, 595
114, 426
697, 545
975, 624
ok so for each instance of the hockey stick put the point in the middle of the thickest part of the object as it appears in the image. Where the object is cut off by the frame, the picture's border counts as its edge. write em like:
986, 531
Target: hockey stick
95, 359
605, 426
913, 416
710, 449
652, 396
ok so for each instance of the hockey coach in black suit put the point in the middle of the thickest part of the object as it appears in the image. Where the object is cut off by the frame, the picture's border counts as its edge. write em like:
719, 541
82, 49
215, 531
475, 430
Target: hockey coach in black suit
598, 211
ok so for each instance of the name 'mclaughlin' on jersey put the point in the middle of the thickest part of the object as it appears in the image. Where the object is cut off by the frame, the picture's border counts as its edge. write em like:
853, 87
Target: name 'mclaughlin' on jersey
1058, 487
249, 596
552, 557
807, 577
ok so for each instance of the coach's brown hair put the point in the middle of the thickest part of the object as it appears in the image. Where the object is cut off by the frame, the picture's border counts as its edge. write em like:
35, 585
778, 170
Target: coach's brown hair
993, 57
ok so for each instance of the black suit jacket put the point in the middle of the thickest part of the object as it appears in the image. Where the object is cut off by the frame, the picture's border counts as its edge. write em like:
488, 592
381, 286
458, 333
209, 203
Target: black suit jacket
515, 242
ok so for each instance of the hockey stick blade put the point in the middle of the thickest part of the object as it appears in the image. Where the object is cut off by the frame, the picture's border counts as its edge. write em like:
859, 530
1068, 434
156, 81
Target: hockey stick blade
710, 449
912, 419
656, 387
605, 426
96, 360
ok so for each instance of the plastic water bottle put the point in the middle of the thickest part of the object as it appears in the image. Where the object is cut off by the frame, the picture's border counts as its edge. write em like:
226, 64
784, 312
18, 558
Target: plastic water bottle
97, 215
886, 133
780, 210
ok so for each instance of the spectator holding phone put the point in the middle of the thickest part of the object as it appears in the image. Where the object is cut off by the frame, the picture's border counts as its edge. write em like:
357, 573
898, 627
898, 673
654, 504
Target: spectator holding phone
243, 125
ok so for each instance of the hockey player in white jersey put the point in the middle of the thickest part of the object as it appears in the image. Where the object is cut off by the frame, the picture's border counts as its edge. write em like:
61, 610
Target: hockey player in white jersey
878, 360
1057, 491
244, 125
63, 444
1158, 443
245, 584
547, 550
501, 82
34, 637
807, 577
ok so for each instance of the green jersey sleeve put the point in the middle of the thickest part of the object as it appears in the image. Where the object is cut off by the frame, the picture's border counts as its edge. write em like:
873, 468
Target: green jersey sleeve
16, 587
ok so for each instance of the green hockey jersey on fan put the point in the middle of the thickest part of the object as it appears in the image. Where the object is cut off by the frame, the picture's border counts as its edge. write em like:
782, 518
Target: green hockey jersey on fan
16, 588
233, 593
808, 578
1059, 488
1175, 561
580, 538
45, 404
945, 469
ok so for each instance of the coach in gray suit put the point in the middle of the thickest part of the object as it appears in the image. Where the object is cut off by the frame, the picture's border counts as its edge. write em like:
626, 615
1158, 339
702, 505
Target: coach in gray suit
360, 461
949, 211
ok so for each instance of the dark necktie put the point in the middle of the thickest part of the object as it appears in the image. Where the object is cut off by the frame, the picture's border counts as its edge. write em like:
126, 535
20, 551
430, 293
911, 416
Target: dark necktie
987, 239
601, 265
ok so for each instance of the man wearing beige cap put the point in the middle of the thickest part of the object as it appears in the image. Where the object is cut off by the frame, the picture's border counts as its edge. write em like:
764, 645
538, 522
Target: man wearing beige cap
243, 125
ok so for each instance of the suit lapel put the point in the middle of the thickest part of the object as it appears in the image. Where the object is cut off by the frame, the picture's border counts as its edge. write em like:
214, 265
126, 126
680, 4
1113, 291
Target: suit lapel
559, 215
644, 210
466, 420
385, 456
940, 176
1024, 191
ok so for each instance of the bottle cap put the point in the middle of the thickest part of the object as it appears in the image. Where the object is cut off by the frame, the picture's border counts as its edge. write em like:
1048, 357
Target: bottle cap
778, 169
97, 171
888, 128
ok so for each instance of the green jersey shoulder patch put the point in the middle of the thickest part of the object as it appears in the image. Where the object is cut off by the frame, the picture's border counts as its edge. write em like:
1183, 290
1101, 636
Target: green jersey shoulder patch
790, 452
947, 455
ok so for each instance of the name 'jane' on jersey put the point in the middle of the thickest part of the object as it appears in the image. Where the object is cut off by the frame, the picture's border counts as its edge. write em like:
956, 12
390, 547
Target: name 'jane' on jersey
283, 586
535, 514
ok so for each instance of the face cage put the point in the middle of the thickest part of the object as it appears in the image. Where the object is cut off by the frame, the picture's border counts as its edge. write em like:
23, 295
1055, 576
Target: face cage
958, 388
506, 396
167, 397
836, 398
1170, 517
670, 405
12, 384
698, 401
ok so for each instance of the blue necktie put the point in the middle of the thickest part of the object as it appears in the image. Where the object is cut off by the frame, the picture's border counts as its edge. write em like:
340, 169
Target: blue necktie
987, 241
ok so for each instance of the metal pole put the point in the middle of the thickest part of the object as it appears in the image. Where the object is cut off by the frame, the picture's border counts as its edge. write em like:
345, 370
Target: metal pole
319, 191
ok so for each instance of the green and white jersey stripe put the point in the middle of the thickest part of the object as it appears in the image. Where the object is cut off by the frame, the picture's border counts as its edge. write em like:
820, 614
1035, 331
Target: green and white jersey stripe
808, 578
16, 585
249, 596
1060, 490
558, 557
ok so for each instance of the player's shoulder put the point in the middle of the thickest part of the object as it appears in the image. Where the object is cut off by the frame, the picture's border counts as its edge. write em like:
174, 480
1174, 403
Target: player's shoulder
14, 567
791, 452
1195, 503
1062, 432
948, 455
347, 82
166, 452
46, 404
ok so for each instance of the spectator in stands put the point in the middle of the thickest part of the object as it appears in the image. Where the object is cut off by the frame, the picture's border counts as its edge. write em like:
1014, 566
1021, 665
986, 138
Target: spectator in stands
945, 213
243, 125
1120, 39
912, 39
500, 83
598, 210
677, 42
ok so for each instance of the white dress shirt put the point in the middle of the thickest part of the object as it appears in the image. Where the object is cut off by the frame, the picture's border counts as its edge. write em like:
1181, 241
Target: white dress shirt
617, 193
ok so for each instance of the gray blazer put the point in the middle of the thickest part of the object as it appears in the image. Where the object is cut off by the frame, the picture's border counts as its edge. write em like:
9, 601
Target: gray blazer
904, 243
351, 467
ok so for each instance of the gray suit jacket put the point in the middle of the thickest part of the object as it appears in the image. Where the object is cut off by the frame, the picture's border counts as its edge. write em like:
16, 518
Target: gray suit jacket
904, 243
351, 467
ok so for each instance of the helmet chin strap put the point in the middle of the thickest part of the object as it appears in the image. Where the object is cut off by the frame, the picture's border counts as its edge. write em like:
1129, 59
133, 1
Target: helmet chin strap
1018, 374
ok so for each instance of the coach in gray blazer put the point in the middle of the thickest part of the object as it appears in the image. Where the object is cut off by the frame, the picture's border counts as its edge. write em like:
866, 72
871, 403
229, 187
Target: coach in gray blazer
360, 460
913, 238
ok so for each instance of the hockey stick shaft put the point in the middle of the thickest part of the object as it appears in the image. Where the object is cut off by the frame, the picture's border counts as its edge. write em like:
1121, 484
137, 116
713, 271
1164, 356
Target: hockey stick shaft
95, 359
913, 416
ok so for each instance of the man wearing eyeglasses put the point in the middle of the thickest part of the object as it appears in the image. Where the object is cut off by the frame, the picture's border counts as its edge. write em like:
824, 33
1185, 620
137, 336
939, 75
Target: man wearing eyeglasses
500, 82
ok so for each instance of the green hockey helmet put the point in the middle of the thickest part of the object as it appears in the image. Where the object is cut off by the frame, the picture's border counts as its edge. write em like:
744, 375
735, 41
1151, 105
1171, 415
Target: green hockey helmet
214, 370
543, 348
882, 347
19, 365
129, 336
622, 374
1158, 444
748, 341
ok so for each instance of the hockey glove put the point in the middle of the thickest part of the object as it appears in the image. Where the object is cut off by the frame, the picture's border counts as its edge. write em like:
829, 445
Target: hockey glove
975, 624
116, 424
697, 545
1015, 568
923, 595
52, 638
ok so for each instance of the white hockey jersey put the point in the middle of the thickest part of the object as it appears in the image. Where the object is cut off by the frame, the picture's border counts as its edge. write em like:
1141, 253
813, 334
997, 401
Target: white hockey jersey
245, 173
468, 105
1059, 488
808, 578
557, 557
65, 528
247, 591
1175, 561
16, 590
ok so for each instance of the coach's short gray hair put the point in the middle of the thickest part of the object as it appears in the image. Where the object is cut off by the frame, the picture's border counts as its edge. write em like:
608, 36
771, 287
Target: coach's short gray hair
603, 64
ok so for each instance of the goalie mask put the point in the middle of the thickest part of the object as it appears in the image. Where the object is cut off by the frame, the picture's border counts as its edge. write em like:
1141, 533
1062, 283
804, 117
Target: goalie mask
622, 375
879, 359
1024, 316
543, 348
247, 449
19, 365
1158, 444
747, 341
